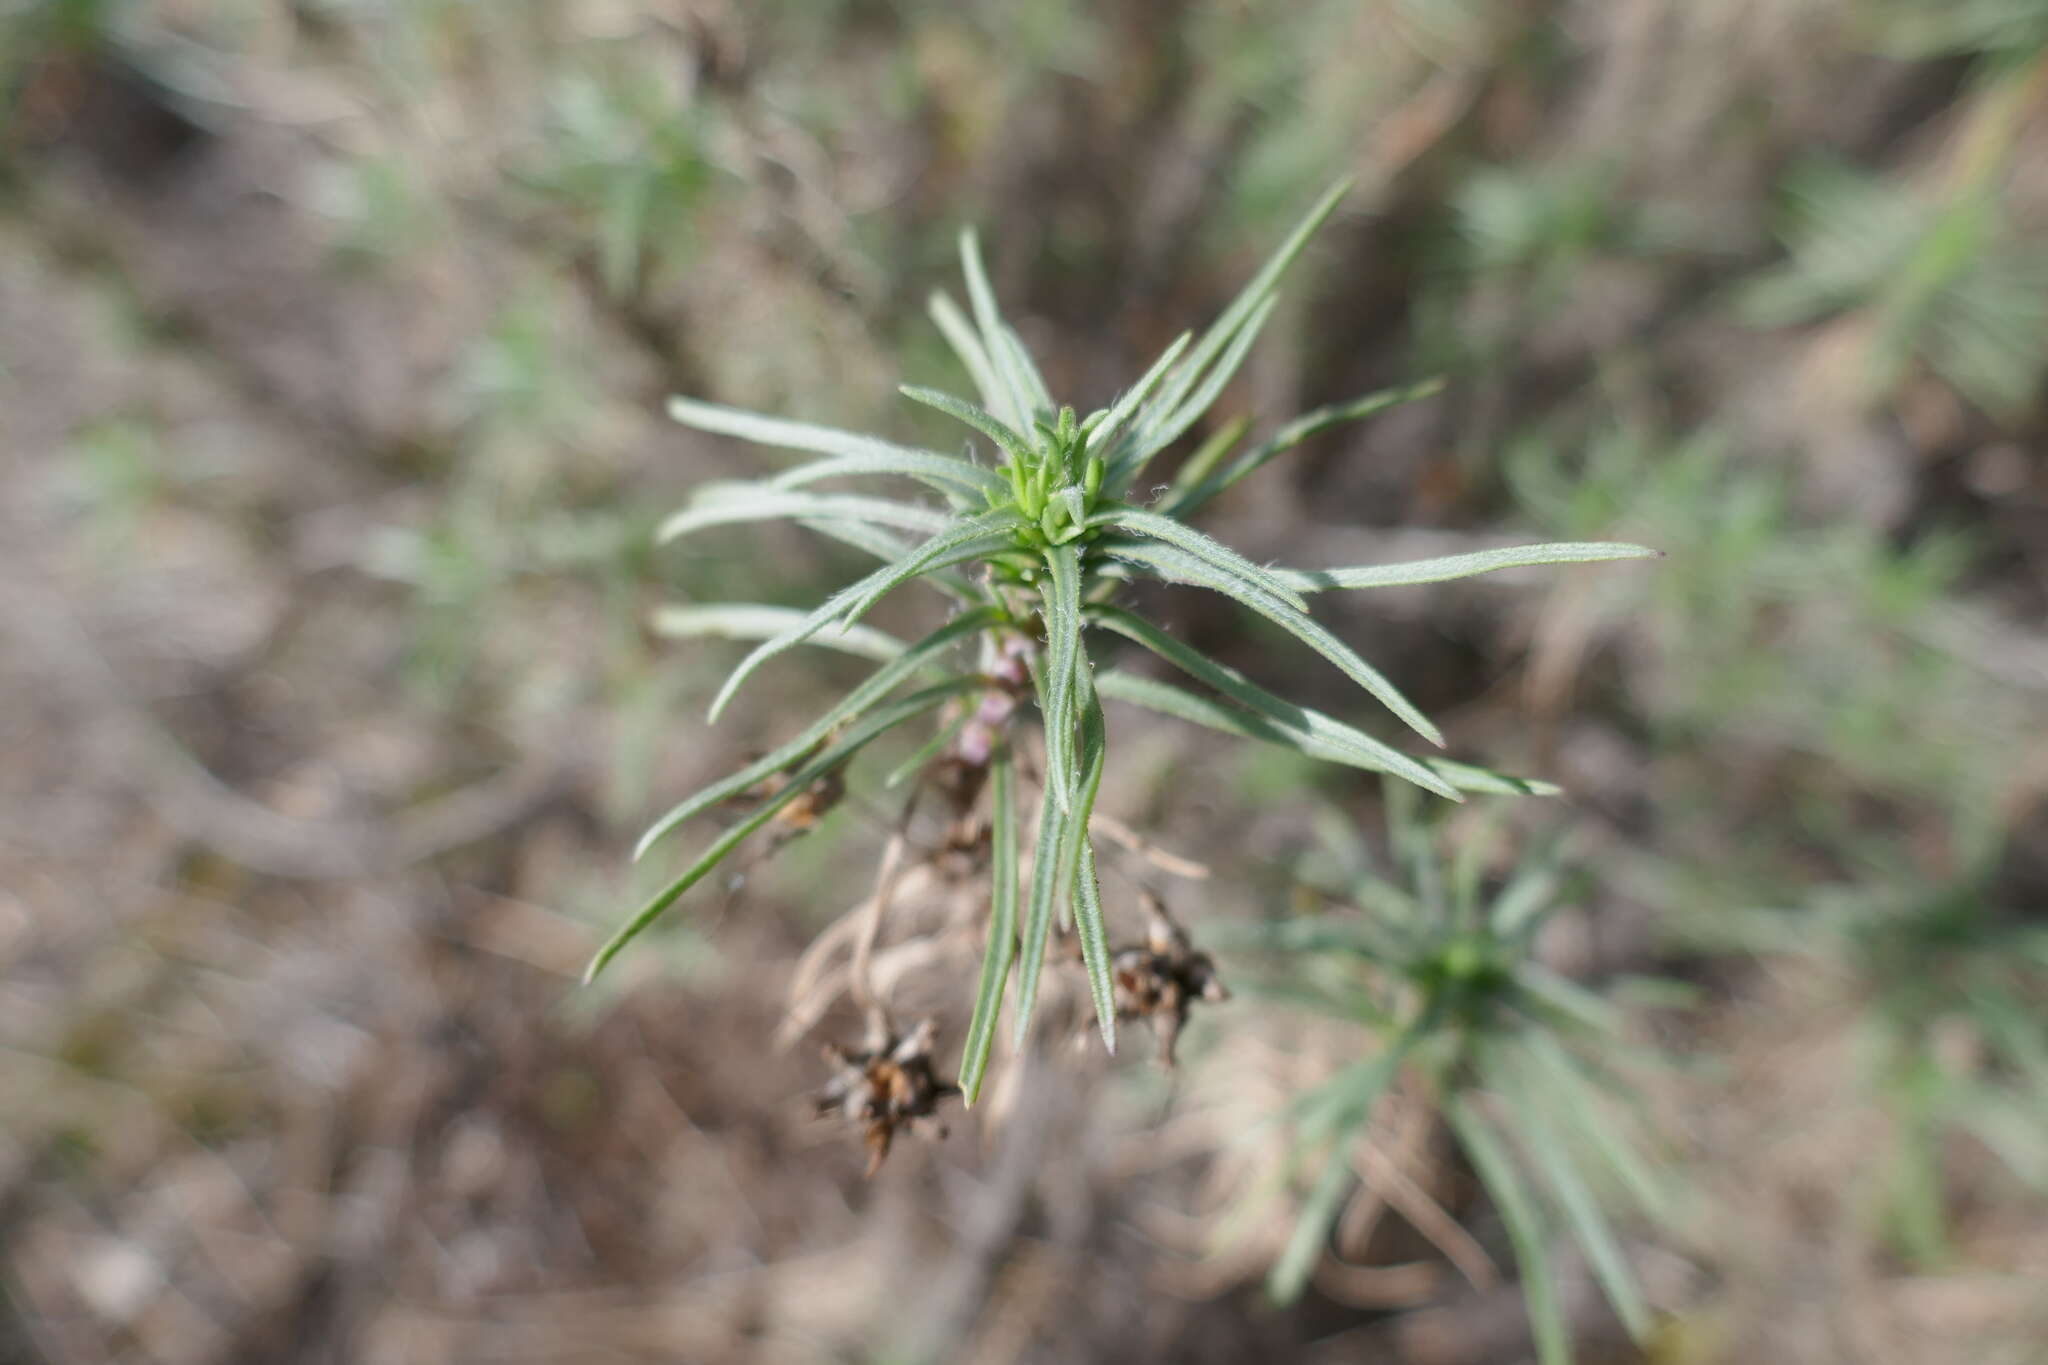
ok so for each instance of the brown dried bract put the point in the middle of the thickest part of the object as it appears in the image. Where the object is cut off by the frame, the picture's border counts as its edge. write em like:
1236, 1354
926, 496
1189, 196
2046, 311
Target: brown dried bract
886, 1085
1161, 979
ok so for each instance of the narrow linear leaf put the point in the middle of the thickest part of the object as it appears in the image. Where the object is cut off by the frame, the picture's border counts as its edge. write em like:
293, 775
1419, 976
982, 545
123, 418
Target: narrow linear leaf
870, 690
960, 335
1525, 1229
1029, 380
829, 758
888, 547
1346, 1104
927, 751
1294, 433
947, 474
726, 504
1582, 1211
1172, 424
1088, 919
1060, 610
1002, 929
967, 540
1038, 911
1102, 437
782, 434
1175, 566
1006, 439
1303, 728
1574, 1089
751, 621
1249, 299
1228, 719
1311, 1233
1206, 548
1446, 567
1206, 457
1015, 408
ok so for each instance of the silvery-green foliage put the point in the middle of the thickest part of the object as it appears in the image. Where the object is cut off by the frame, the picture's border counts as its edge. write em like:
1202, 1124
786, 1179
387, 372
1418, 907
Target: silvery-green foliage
1033, 534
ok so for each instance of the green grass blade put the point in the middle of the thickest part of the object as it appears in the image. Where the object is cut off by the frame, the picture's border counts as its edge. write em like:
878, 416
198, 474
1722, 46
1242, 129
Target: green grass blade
1002, 929
1305, 729
825, 761
1175, 566
960, 335
1446, 567
1292, 435
1526, 1234
751, 621
1006, 439
849, 707
726, 504
1204, 547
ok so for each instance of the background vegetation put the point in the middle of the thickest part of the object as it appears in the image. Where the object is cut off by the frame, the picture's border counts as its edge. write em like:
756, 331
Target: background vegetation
334, 337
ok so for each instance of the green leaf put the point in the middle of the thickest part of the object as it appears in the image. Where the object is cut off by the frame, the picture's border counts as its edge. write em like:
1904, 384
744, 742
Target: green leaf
1529, 893
948, 474
959, 334
1105, 432
1088, 920
1248, 302
1299, 727
1525, 1229
1015, 407
1013, 445
750, 621
786, 435
967, 540
888, 547
1204, 547
1029, 381
825, 761
1206, 457
1002, 929
1172, 424
1446, 567
725, 504
1046, 865
1185, 503
1060, 610
1588, 1223
1343, 1108
871, 690
1574, 1089
1176, 566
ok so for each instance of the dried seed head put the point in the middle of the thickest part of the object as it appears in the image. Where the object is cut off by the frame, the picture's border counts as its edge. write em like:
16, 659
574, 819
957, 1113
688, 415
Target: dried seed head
1160, 980
888, 1084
